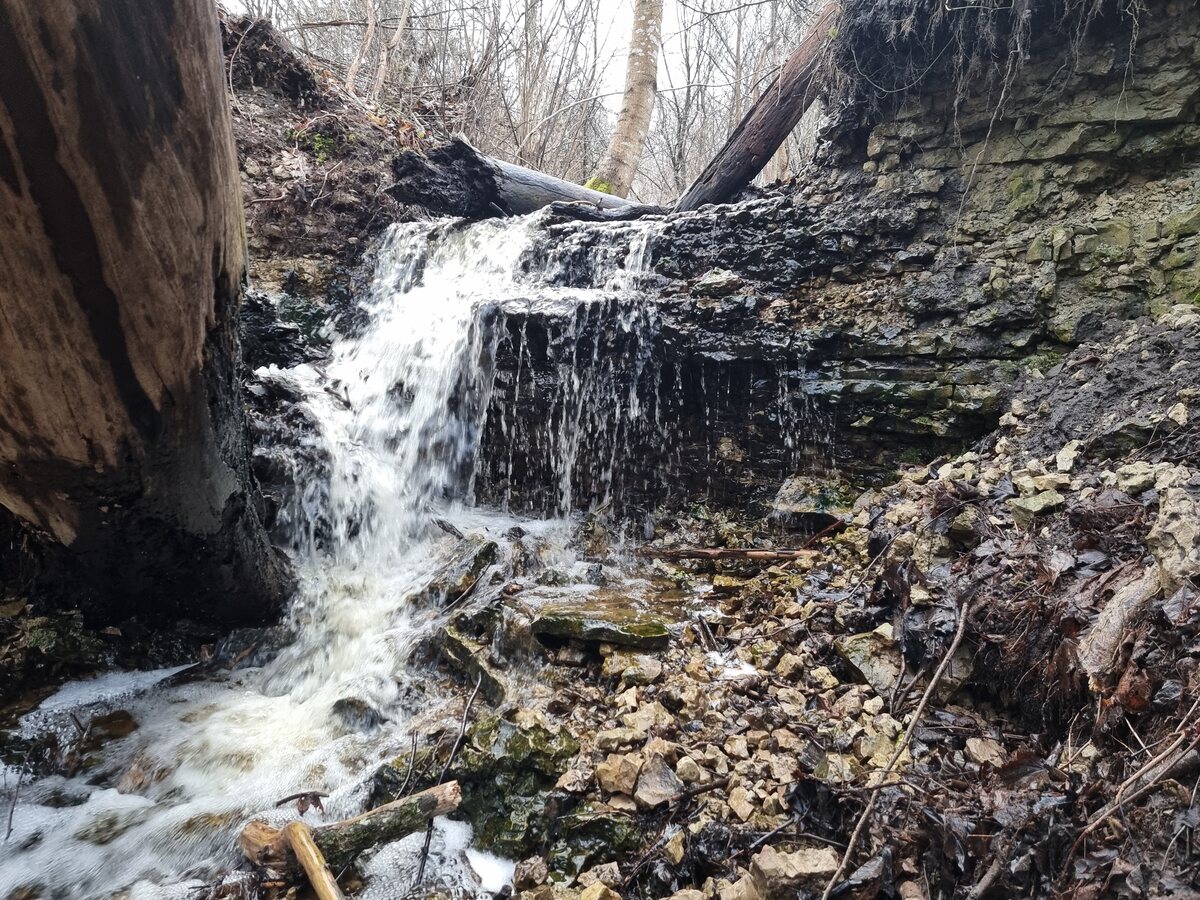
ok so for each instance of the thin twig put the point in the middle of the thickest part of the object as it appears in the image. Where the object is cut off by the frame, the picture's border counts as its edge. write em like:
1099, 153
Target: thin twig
12, 808
462, 730
412, 764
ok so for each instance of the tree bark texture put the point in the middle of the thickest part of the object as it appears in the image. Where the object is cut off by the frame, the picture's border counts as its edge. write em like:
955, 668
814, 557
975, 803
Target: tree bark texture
122, 432
616, 171
457, 180
768, 122
341, 842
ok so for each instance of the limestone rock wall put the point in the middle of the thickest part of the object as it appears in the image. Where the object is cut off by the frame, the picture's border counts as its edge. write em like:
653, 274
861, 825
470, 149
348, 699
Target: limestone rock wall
883, 305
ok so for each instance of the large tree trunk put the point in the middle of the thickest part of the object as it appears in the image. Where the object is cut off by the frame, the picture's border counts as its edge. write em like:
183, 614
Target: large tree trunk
617, 169
457, 180
122, 433
768, 123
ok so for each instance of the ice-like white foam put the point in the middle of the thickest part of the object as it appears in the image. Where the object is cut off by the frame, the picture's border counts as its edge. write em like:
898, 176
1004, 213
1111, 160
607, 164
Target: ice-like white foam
105, 688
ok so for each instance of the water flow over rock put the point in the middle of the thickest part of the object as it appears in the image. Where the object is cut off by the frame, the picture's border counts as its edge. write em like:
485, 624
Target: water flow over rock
391, 446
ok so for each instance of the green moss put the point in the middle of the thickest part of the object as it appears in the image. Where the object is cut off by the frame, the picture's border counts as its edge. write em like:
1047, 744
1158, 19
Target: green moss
595, 184
322, 146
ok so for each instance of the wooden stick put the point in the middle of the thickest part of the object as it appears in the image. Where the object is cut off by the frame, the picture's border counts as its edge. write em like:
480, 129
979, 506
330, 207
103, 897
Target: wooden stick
341, 842
724, 553
299, 839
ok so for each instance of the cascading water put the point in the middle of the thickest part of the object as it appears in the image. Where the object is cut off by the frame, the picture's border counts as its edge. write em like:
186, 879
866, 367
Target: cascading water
401, 408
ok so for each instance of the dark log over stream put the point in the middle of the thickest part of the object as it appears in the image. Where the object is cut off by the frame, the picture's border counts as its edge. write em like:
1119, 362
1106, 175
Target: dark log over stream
122, 434
457, 180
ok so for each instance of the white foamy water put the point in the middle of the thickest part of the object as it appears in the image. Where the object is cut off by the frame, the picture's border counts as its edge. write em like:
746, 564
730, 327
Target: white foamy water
400, 409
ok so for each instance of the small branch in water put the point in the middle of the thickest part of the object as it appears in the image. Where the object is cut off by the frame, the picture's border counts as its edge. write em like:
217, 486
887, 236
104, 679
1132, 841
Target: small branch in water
462, 731
12, 808
412, 762
723, 553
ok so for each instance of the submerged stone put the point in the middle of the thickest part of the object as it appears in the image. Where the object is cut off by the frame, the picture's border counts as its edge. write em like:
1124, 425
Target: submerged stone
457, 577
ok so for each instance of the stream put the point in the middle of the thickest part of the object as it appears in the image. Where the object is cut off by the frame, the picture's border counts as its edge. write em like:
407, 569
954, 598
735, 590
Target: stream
177, 760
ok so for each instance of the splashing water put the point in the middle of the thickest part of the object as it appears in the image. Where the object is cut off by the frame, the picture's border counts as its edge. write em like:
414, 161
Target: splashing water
401, 408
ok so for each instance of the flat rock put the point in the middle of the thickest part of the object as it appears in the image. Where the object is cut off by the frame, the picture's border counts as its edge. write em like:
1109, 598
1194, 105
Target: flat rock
778, 874
1026, 509
624, 628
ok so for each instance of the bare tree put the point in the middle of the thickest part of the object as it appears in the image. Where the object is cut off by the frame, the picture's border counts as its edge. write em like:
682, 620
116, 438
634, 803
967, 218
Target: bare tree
617, 169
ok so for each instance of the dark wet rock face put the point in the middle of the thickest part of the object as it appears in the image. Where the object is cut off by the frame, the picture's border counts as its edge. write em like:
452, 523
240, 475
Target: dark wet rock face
880, 313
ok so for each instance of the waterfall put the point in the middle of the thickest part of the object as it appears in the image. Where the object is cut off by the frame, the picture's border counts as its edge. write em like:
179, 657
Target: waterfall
400, 408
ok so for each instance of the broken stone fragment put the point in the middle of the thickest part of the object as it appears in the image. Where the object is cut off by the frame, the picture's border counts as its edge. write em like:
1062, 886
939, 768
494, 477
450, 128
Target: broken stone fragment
599, 891
737, 747
742, 889
618, 774
647, 716
823, 678
632, 668
688, 770
657, 783
607, 874
741, 803
1065, 459
875, 655
608, 626
1136, 478
674, 849
778, 874
1175, 538
530, 872
616, 738
789, 666
1026, 509
985, 750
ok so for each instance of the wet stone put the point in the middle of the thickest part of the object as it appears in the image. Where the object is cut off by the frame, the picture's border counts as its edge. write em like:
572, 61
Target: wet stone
627, 630
657, 783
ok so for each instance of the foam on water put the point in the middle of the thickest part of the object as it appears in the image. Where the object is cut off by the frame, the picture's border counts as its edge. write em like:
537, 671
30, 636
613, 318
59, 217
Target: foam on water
400, 408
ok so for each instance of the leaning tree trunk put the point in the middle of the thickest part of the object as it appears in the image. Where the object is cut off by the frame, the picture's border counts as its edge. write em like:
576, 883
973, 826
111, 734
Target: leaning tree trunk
122, 435
615, 173
769, 121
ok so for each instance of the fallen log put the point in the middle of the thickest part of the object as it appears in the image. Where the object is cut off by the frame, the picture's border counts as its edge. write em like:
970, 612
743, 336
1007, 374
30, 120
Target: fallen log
457, 180
341, 842
769, 121
724, 553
